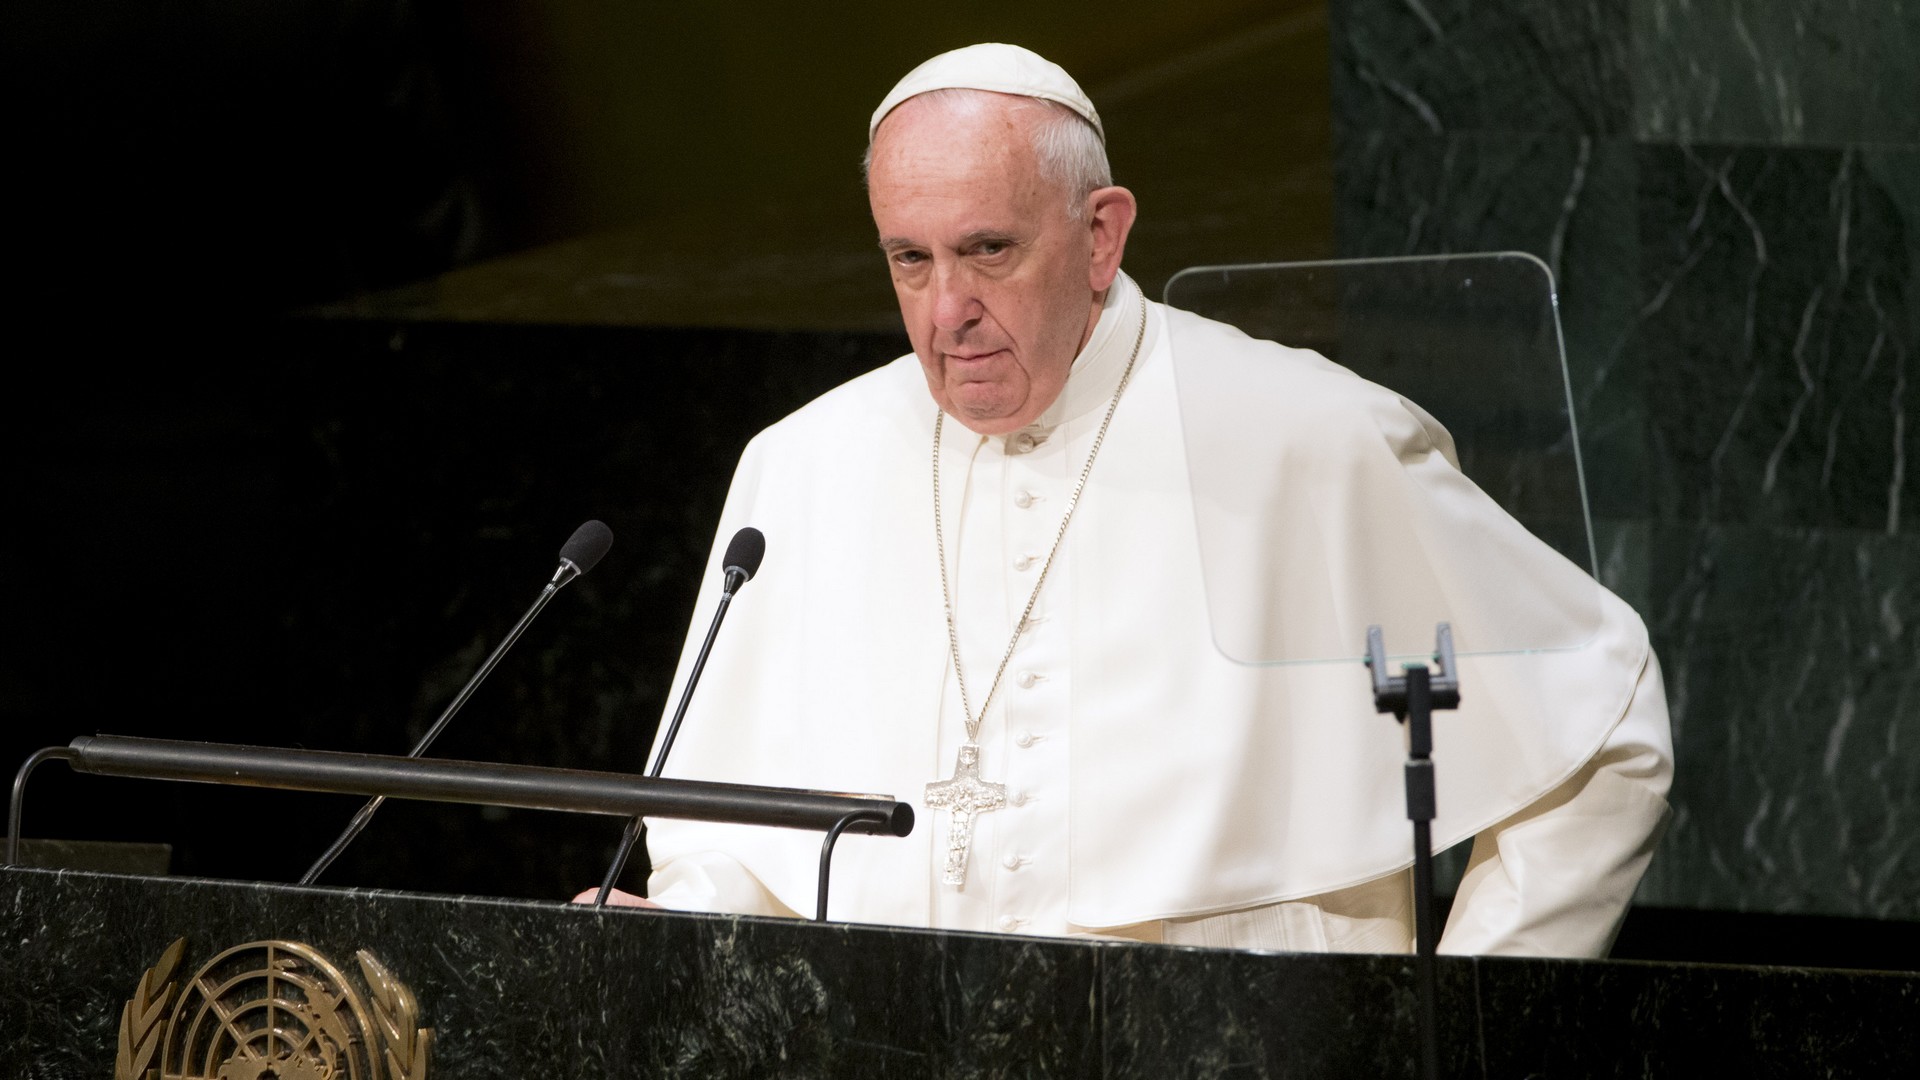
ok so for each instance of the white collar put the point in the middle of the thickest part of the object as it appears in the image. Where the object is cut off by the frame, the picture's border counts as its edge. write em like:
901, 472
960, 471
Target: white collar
1097, 370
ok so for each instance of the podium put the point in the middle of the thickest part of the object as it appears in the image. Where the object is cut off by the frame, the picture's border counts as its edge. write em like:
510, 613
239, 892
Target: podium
517, 990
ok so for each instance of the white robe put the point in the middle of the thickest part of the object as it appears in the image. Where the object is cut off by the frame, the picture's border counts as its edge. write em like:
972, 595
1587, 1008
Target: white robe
1160, 791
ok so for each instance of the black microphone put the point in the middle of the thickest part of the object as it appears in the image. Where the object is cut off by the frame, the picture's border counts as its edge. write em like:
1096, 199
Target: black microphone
582, 551
744, 553
738, 566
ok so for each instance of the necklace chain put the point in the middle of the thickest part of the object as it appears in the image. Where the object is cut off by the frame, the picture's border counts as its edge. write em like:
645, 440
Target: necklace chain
974, 720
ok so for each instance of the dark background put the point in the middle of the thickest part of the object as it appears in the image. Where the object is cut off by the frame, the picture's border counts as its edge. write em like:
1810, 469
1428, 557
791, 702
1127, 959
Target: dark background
349, 313
335, 319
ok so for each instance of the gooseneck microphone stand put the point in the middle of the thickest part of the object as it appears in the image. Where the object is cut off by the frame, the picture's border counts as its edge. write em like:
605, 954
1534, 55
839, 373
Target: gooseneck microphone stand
581, 552
742, 560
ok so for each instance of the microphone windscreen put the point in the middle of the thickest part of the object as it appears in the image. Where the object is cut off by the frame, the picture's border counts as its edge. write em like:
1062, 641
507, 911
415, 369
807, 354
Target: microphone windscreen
588, 545
745, 551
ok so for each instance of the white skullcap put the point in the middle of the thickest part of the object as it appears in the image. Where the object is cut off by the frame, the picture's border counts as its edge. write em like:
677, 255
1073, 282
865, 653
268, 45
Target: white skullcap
1003, 69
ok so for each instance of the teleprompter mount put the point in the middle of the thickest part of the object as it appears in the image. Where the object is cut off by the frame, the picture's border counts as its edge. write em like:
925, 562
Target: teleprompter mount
1411, 697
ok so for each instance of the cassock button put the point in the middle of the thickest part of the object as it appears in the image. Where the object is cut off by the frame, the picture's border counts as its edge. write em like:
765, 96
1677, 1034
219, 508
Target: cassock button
1010, 923
1011, 862
1027, 679
1023, 442
1024, 562
1018, 798
1023, 740
1023, 500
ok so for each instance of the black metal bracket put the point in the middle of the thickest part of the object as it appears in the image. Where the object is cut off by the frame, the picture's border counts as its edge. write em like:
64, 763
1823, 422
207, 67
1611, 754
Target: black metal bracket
1390, 691
826, 857
1411, 698
16, 808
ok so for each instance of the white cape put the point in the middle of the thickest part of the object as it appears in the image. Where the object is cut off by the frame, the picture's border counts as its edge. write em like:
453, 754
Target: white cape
1197, 785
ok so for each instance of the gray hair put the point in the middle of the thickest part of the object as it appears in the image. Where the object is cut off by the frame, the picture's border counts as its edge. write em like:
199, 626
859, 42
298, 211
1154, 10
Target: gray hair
1071, 153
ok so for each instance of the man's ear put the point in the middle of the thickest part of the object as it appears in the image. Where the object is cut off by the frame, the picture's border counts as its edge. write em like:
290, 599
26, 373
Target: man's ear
1110, 213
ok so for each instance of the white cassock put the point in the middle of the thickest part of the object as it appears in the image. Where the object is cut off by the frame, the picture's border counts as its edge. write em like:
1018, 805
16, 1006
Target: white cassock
1157, 790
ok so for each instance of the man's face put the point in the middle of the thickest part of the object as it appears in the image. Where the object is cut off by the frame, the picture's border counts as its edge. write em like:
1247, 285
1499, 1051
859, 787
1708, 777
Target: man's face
994, 280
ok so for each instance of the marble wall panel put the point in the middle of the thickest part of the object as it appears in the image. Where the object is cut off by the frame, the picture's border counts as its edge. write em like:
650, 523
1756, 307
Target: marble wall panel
1438, 66
1894, 171
1776, 72
1777, 336
1790, 658
1742, 334
1567, 199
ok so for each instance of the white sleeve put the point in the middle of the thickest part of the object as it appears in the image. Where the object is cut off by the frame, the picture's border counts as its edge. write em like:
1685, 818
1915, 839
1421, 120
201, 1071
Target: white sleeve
1555, 879
712, 881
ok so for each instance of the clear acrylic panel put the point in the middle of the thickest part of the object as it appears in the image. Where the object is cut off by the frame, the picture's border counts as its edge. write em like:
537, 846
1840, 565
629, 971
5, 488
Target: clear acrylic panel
1307, 541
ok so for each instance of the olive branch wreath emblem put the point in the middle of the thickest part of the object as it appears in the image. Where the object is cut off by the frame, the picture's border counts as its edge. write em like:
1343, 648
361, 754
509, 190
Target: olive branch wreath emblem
401, 1044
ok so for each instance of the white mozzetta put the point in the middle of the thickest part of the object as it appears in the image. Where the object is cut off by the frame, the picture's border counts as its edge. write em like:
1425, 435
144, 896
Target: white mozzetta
1156, 790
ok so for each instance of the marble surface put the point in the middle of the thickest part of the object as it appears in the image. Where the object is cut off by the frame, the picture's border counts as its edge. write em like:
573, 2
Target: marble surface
517, 989
1804, 800
1213, 1013
1794, 264
1696, 1020
1437, 66
1794, 72
1568, 199
1730, 196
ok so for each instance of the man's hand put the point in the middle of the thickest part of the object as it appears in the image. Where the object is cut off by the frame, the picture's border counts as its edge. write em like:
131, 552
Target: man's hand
616, 898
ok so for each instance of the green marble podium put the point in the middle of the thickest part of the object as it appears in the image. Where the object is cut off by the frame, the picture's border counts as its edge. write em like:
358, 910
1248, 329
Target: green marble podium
516, 990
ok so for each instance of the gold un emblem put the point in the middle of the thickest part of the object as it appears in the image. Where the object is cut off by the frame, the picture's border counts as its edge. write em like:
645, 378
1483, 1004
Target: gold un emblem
271, 1010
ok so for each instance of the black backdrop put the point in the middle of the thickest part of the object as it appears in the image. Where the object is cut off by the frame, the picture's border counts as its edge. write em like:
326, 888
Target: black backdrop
309, 533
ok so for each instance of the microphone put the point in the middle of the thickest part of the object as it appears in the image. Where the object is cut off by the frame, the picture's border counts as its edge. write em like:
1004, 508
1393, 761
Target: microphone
581, 553
738, 566
744, 553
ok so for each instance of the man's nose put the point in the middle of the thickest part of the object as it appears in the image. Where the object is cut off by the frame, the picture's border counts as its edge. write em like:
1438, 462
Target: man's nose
955, 304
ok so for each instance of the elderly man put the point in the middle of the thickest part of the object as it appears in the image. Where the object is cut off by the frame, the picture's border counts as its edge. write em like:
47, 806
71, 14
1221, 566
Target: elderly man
982, 593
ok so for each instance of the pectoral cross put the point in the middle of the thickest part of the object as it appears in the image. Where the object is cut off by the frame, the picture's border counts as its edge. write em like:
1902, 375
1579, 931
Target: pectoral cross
963, 796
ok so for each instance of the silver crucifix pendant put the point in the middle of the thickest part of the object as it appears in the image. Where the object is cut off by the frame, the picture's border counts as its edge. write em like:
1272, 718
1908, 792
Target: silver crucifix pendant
963, 796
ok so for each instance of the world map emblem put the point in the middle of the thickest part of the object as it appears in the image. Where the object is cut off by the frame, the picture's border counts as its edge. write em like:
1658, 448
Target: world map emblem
271, 1010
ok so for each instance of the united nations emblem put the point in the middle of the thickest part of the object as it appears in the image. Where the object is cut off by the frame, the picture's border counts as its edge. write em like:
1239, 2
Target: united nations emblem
271, 1010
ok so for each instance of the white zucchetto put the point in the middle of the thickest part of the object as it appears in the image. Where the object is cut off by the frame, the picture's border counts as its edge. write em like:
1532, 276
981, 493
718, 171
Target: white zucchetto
1003, 69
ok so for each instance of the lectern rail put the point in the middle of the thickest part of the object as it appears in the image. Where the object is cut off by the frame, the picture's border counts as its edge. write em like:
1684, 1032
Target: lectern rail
530, 787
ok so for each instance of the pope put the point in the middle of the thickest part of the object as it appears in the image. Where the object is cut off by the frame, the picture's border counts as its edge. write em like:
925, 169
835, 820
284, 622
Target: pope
983, 593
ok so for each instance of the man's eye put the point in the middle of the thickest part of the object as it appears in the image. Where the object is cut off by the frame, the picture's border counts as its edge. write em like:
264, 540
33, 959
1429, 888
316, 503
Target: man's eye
991, 247
909, 258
